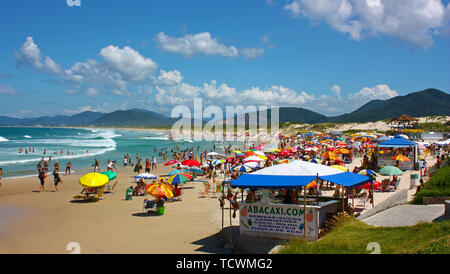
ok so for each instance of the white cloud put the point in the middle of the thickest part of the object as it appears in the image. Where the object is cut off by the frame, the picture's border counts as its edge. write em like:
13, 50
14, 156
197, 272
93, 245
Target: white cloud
251, 53
30, 55
194, 44
169, 77
128, 62
414, 21
381, 92
70, 91
7, 90
92, 92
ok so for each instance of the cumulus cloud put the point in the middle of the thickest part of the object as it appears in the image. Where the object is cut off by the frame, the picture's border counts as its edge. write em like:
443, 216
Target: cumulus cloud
169, 77
30, 55
203, 43
7, 90
194, 44
128, 62
414, 21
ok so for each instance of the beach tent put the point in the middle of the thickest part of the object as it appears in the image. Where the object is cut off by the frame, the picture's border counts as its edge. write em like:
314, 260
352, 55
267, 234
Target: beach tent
397, 142
295, 174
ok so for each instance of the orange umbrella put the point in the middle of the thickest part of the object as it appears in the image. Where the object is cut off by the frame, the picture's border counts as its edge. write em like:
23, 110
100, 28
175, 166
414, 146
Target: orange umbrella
330, 155
160, 190
341, 151
400, 157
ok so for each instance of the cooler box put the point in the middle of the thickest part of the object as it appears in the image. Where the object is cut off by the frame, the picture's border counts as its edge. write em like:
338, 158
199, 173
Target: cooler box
414, 181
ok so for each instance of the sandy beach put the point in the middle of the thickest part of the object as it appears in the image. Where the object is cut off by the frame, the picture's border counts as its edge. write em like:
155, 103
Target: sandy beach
33, 222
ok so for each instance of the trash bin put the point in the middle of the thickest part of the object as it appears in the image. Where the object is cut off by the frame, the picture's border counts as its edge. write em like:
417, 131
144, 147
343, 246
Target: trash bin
161, 210
129, 194
414, 181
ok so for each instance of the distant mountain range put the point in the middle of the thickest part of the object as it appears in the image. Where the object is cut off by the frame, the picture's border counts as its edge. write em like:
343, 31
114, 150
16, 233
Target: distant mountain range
430, 102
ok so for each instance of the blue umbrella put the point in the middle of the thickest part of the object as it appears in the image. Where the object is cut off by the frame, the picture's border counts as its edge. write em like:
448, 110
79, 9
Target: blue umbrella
146, 176
175, 172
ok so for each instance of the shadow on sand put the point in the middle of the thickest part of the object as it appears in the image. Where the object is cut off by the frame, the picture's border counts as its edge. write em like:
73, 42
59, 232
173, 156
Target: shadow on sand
220, 243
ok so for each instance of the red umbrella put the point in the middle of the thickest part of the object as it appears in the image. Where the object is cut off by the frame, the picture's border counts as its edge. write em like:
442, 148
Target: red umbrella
171, 162
230, 160
191, 163
376, 185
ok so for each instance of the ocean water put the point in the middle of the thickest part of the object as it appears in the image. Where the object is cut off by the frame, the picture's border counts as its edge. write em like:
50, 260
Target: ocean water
84, 145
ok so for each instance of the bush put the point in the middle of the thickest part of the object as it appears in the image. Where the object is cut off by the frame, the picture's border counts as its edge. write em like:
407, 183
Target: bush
437, 186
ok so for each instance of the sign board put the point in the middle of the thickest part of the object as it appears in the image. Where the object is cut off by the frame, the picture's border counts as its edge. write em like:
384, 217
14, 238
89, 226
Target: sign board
278, 221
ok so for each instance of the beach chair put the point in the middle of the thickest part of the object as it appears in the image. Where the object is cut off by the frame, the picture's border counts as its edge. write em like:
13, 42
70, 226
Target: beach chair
385, 187
362, 200
396, 185
149, 205
109, 188
177, 194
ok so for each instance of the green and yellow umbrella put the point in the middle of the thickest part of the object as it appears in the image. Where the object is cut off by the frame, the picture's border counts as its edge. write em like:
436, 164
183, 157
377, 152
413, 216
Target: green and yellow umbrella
94, 180
111, 174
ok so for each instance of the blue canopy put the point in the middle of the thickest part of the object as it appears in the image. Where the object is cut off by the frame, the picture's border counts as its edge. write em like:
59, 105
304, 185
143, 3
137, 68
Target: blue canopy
347, 179
397, 142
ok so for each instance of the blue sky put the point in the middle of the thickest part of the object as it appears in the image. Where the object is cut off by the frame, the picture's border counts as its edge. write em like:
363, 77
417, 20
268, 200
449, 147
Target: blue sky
330, 56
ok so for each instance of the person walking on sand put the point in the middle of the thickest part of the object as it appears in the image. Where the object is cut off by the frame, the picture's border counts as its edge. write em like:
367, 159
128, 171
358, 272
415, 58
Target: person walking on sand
68, 167
111, 166
41, 177
147, 165
57, 179
57, 166
154, 163
96, 165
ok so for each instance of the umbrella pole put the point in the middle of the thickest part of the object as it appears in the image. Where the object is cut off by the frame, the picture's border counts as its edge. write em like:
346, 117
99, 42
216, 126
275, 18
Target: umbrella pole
304, 213
318, 188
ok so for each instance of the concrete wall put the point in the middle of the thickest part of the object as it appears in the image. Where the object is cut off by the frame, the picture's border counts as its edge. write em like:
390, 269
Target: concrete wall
399, 198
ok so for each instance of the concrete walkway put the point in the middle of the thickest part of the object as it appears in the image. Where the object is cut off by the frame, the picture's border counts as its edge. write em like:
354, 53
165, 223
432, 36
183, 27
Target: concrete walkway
406, 215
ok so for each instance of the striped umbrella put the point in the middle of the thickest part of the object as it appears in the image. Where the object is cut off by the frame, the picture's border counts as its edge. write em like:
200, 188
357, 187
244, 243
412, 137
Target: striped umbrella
367, 172
145, 176
179, 179
171, 162
242, 168
217, 162
175, 172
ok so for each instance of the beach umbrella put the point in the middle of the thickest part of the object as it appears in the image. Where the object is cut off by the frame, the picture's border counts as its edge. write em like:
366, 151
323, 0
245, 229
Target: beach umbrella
390, 171
179, 179
400, 157
330, 155
242, 168
313, 184
252, 165
340, 167
94, 180
145, 176
171, 162
160, 190
175, 172
274, 149
253, 159
237, 151
342, 151
111, 174
376, 185
217, 162
250, 153
230, 160
191, 163
367, 172
285, 161
193, 169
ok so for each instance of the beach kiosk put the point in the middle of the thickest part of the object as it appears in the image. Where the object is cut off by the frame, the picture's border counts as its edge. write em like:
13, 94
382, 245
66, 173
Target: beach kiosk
271, 218
398, 143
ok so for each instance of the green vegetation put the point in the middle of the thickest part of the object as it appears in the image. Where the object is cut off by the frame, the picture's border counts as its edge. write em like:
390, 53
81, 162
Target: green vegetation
353, 236
437, 186
433, 127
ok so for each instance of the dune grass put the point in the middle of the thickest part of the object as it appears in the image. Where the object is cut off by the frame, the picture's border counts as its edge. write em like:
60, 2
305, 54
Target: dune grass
352, 237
